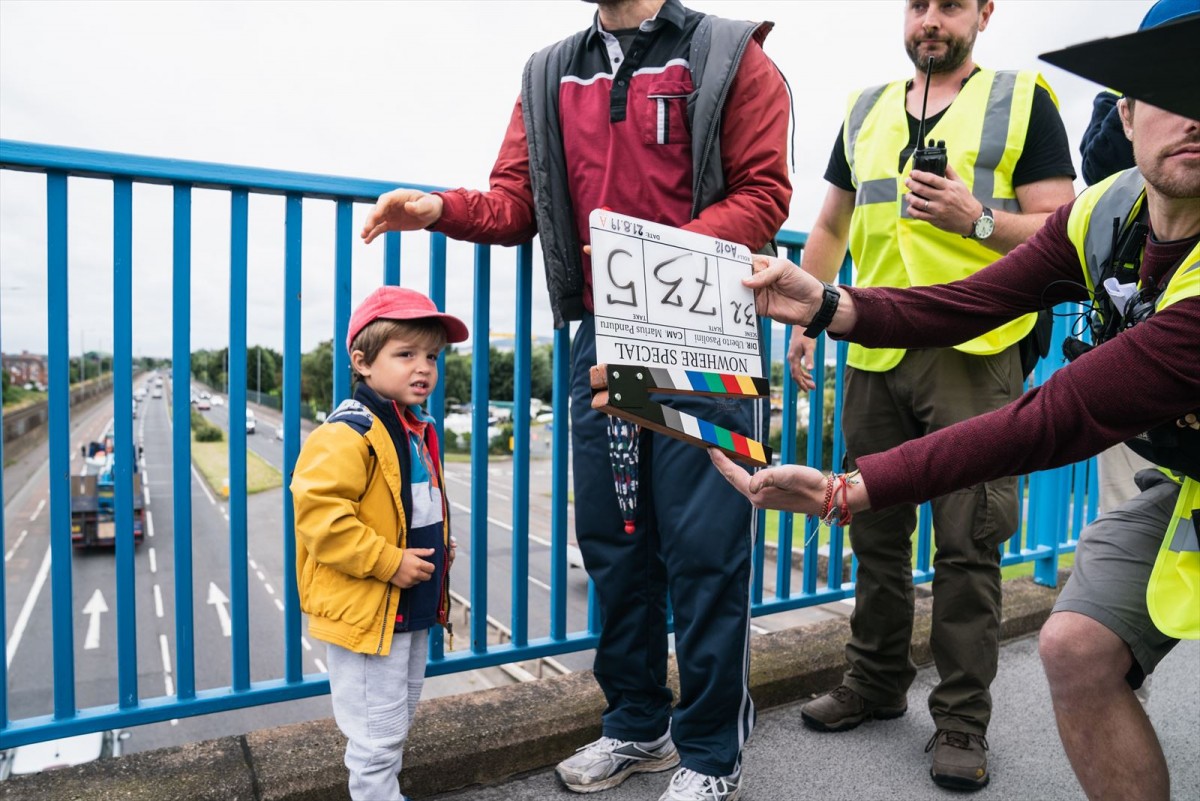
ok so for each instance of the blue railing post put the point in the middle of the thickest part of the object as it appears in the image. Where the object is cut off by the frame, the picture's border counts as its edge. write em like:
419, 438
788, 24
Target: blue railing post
391, 258
342, 274
126, 453
60, 443
437, 401
181, 454
521, 399
480, 372
239, 591
561, 396
292, 266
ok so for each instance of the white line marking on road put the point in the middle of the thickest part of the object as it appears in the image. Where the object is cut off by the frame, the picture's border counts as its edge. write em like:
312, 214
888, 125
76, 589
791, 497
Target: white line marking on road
574, 557
153, 562
541, 584
269, 588
279, 604
253, 565
149, 524
203, 485
218, 599
491, 491
93, 609
73, 455
168, 682
41, 505
759, 629
18, 628
158, 607
146, 494
307, 645
166, 661
492, 520
16, 545
260, 575
320, 666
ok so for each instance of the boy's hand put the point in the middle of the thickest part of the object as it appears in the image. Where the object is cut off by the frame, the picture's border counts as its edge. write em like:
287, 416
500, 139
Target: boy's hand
413, 569
402, 210
452, 552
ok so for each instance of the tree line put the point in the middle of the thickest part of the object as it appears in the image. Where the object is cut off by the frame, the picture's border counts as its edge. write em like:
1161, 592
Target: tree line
264, 373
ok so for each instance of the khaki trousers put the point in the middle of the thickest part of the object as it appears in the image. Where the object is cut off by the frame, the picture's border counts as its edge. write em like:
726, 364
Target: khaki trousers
930, 390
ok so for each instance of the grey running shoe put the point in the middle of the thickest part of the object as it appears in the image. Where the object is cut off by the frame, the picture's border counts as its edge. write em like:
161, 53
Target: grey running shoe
959, 760
843, 709
608, 762
688, 785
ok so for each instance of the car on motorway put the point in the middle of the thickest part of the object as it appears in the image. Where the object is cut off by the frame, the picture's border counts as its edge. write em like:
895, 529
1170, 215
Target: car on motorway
217, 400
203, 404
156, 392
62, 753
251, 423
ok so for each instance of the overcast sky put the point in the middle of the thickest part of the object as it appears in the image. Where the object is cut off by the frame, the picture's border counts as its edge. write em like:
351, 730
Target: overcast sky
417, 91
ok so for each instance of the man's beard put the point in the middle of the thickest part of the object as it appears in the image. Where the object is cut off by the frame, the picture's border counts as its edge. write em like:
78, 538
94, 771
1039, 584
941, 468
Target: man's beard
1177, 184
957, 52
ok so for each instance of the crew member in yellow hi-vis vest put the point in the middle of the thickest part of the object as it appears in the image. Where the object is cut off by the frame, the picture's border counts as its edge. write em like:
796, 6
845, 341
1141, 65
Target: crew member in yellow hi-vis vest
1129, 248
1007, 165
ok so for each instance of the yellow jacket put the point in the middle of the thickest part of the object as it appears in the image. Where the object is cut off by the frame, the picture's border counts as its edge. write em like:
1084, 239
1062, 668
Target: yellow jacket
350, 531
985, 127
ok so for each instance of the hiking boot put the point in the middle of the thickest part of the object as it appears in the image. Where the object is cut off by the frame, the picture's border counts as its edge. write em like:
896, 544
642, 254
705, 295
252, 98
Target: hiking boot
843, 709
959, 760
608, 762
688, 785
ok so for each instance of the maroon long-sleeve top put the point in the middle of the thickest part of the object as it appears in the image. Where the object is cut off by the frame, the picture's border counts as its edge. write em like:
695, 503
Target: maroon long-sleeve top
1147, 375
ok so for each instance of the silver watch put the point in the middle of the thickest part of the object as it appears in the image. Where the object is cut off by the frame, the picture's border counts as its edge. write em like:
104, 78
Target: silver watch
983, 227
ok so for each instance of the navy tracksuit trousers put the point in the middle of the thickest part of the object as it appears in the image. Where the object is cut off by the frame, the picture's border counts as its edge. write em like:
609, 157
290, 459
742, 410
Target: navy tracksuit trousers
693, 539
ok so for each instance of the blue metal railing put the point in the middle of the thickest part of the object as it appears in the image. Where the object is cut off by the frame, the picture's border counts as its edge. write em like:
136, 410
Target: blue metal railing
1058, 501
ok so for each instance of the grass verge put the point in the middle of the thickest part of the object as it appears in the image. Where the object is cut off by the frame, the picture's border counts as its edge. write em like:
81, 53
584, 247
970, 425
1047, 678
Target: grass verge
212, 459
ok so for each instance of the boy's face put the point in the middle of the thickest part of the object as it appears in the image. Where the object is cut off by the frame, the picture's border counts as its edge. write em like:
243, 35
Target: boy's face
406, 369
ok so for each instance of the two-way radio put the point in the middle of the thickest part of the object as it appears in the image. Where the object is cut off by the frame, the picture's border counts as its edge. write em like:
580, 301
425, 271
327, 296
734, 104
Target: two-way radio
930, 158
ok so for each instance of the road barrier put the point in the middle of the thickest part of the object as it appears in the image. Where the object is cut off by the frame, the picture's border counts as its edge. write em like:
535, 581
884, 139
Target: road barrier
1057, 502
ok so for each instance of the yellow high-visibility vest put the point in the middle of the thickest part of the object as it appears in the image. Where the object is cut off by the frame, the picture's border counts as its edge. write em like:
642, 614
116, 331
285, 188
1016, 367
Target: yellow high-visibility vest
1173, 592
984, 129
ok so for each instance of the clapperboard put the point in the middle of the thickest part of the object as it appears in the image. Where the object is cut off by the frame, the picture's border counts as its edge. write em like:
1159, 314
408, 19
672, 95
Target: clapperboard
672, 316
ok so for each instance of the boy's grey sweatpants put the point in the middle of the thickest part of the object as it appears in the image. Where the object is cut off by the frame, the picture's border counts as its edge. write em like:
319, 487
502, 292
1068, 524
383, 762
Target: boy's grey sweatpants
374, 700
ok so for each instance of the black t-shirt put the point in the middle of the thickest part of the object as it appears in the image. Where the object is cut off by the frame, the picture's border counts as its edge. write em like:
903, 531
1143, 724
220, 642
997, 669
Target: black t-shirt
1046, 154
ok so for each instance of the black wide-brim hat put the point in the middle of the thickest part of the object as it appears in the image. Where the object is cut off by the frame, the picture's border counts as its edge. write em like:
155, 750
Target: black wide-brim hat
1158, 65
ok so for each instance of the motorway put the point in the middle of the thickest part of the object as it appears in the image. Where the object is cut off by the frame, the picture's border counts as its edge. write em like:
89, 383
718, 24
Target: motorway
27, 561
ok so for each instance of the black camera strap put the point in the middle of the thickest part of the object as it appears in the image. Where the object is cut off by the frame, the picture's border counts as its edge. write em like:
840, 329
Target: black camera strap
1123, 263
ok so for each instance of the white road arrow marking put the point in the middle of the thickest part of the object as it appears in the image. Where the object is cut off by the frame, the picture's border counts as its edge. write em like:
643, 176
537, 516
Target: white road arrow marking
94, 608
217, 598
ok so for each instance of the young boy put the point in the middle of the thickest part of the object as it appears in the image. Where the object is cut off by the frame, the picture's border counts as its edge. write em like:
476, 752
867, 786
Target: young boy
373, 532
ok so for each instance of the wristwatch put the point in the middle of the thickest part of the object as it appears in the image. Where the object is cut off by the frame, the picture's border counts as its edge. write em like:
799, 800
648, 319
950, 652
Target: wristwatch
983, 227
824, 316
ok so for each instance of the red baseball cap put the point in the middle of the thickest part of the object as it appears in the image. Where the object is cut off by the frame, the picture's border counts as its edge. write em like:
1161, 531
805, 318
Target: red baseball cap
394, 303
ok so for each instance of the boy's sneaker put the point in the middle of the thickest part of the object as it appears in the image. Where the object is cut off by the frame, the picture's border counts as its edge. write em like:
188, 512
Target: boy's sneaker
959, 760
843, 709
608, 762
688, 785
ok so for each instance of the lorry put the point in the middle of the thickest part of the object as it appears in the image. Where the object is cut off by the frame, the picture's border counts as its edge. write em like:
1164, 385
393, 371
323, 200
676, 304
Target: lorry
93, 510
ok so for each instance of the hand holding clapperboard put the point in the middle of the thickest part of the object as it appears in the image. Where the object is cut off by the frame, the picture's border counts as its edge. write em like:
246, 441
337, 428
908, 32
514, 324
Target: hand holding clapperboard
672, 316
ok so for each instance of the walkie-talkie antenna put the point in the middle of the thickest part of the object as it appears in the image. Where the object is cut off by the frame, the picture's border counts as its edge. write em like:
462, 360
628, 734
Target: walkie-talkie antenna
924, 104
